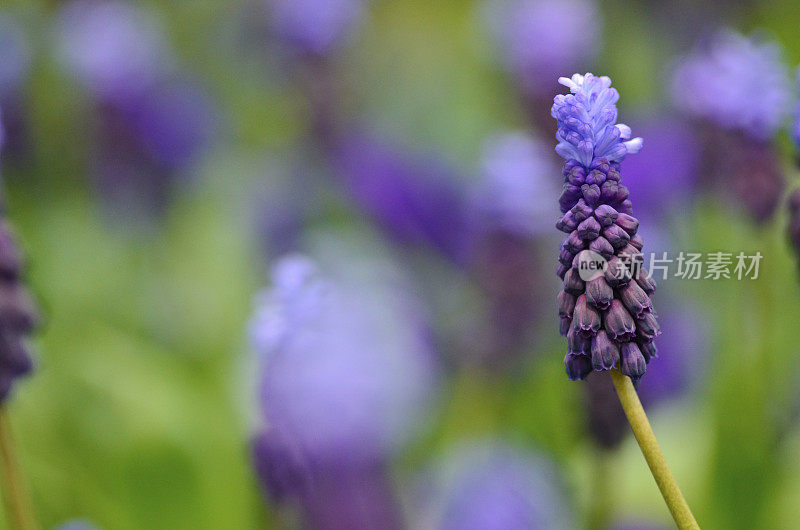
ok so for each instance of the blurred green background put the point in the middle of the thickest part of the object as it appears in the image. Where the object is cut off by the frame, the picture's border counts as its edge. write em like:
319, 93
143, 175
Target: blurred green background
140, 411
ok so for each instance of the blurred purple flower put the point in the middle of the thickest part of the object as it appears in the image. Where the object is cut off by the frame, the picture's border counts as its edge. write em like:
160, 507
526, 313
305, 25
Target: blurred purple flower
115, 48
491, 485
735, 82
638, 525
16, 53
78, 524
346, 369
606, 421
796, 125
152, 123
416, 200
543, 39
144, 144
682, 353
739, 86
663, 177
512, 210
793, 228
175, 122
315, 26
515, 193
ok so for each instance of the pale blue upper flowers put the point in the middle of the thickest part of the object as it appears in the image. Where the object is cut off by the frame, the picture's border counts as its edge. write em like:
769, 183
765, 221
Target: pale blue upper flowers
586, 122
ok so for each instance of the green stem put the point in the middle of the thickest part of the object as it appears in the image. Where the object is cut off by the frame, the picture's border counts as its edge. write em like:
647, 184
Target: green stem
652, 452
18, 507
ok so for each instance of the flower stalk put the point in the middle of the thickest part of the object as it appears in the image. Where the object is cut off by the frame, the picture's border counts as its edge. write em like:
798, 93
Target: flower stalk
677, 505
18, 506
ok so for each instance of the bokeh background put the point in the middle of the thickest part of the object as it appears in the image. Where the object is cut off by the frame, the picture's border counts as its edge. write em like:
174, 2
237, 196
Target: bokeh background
294, 261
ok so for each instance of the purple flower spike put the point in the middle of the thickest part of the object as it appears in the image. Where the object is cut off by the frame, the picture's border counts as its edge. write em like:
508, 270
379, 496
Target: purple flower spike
17, 317
612, 319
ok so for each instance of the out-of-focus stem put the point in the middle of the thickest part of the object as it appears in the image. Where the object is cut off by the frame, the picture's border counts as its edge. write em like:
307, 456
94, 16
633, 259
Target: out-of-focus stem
599, 516
652, 452
18, 506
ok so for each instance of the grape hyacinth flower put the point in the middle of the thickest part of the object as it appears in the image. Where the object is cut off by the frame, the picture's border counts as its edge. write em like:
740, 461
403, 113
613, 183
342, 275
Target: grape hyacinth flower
604, 305
17, 315
491, 484
346, 368
607, 317
738, 88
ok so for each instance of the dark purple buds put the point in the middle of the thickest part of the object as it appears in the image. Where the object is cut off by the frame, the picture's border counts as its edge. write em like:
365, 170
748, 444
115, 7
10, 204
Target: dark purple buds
569, 195
581, 211
645, 281
648, 350
573, 243
566, 223
631, 257
564, 325
608, 191
591, 193
578, 366
648, 326
566, 304
602, 247
619, 323
635, 299
628, 223
586, 319
599, 293
625, 206
595, 177
589, 229
605, 353
622, 193
633, 363
573, 283
565, 257
576, 175
605, 214
577, 342
617, 272
616, 236
637, 241
612, 174
561, 270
